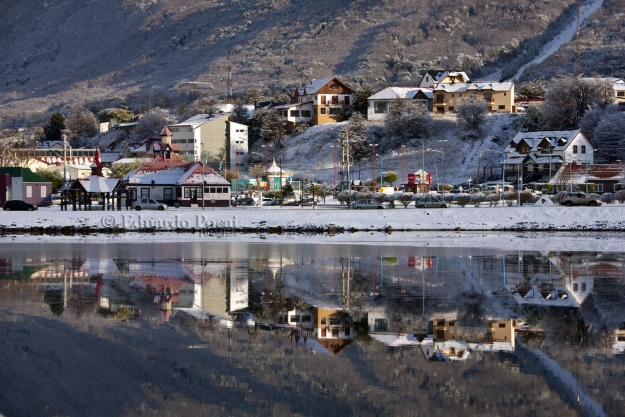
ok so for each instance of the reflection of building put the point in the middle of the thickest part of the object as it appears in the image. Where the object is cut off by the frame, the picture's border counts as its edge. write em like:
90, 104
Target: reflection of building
331, 329
454, 342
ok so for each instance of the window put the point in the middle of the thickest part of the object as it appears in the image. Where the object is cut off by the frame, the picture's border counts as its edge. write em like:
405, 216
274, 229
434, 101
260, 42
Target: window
574, 148
306, 319
323, 99
294, 113
583, 286
335, 99
29, 191
452, 95
43, 191
502, 107
323, 320
315, 111
167, 193
380, 325
583, 149
502, 325
488, 96
452, 323
211, 190
335, 111
347, 100
620, 93
598, 188
305, 113
323, 110
504, 94
295, 318
145, 193
451, 108
575, 287
380, 107
440, 98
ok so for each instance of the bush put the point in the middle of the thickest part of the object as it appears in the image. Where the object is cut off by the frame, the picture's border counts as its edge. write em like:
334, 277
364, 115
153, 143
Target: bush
620, 196
608, 198
463, 199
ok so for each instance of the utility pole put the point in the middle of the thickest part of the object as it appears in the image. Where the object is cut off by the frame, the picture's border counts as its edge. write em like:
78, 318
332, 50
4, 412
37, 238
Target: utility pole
373, 145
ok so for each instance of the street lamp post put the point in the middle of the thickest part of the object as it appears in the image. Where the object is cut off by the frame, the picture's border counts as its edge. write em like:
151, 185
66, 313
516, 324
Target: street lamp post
236, 170
334, 158
266, 146
503, 173
547, 150
470, 182
380, 156
349, 178
373, 145
443, 159
594, 150
403, 147
202, 162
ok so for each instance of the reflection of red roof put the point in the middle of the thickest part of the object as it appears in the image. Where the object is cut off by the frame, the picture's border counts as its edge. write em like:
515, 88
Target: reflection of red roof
158, 283
335, 346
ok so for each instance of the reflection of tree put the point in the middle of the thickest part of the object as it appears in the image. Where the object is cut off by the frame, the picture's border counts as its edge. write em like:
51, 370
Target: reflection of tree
471, 306
54, 298
274, 303
357, 295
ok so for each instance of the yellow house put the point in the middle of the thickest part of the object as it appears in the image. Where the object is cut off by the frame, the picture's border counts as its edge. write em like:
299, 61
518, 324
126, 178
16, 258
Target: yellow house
496, 331
498, 96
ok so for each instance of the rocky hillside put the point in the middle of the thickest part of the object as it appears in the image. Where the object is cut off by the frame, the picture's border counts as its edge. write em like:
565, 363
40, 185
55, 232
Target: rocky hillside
159, 52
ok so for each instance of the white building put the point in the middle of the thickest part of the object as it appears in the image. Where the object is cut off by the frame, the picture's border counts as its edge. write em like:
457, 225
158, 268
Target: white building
378, 103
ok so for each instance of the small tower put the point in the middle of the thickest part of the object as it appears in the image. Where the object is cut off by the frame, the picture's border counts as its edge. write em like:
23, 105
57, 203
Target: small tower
165, 136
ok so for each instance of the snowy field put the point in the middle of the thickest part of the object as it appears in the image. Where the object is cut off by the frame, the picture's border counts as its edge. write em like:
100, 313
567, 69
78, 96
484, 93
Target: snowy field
527, 227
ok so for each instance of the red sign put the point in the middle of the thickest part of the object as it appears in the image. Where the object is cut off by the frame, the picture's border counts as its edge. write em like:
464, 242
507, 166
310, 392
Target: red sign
411, 178
430, 179
412, 262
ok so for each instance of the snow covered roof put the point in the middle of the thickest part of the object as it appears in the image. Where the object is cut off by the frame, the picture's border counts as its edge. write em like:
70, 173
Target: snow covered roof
577, 173
315, 85
109, 157
174, 173
95, 184
391, 93
200, 119
477, 86
559, 139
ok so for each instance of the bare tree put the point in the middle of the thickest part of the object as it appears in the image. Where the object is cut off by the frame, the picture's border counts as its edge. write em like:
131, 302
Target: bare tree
151, 123
569, 98
81, 122
472, 111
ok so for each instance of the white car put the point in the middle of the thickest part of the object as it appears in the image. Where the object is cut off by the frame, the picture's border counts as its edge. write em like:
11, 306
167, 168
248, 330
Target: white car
148, 204
367, 204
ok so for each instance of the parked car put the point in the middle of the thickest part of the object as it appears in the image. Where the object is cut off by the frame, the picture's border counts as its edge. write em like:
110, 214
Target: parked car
269, 202
367, 204
431, 202
55, 199
491, 189
289, 200
578, 199
307, 202
18, 205
148, 204
244, 201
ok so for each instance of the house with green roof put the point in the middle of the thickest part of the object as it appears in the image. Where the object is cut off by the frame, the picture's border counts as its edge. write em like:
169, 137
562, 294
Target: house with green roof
22, 184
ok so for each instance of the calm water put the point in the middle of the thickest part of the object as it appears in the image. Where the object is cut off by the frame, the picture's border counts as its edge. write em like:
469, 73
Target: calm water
279, 330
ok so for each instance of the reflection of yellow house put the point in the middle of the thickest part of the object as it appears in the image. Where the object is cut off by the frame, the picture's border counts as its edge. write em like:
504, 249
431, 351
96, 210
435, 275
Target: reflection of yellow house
496, 331
332, 324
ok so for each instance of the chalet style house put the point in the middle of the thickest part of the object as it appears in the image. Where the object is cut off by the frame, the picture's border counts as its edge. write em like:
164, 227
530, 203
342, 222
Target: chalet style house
543, 153
441, 92
318, 102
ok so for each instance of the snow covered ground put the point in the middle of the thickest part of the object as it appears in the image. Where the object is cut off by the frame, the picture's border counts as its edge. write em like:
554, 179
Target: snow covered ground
530, 227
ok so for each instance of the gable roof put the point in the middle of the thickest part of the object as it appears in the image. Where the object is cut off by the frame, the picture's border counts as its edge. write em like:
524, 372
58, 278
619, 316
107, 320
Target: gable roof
316, 85
477, 86
576, 173
25, 173
391, 93
558, 139
174, 172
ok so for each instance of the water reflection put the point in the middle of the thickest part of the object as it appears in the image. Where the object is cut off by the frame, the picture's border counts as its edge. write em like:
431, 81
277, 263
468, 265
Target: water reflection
550, 324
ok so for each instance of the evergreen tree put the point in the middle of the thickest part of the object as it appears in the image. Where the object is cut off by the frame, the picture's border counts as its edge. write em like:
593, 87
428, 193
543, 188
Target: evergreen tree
239, 113
273, 128
54, 129
357, 134
361, 103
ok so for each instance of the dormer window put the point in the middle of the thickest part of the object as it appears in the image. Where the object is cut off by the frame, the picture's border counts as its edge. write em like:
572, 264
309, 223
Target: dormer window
334, 86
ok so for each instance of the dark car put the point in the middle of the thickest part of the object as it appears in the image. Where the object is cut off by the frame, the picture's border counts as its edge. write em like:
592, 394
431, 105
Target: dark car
18, 205
244, 201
